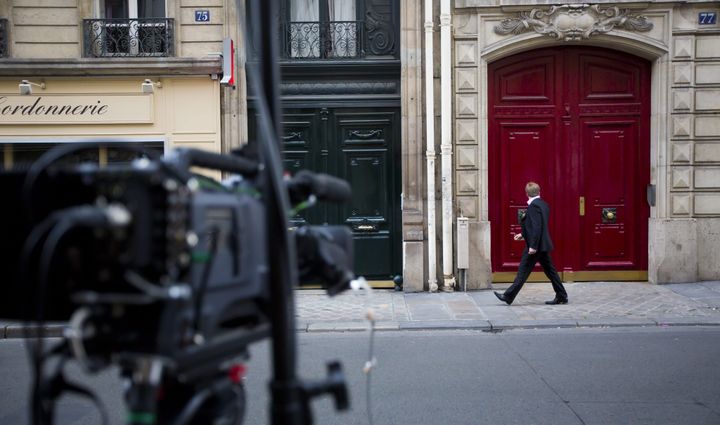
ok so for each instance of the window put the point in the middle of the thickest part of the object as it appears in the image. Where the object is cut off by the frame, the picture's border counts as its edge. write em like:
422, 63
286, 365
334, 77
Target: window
323, 29
133, 9
3, 37
130, 28
21, 155
116, 9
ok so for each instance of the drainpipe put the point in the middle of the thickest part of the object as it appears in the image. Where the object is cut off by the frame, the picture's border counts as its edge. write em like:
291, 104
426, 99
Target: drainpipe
430, 146
446, 145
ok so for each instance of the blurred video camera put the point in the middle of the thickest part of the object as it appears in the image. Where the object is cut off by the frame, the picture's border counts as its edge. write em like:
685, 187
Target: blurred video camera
159, 270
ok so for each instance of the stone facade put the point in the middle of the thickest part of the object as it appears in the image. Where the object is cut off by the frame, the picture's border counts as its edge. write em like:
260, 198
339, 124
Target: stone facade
54, 28
685, 123
684, 222
48, 40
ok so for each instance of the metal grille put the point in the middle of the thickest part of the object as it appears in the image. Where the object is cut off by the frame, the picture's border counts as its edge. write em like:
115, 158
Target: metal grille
4, 28
128, 37
324, 40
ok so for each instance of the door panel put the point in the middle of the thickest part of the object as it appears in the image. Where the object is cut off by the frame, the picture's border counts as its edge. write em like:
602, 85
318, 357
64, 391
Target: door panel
608, 79
523, 81
367, 214
575, 120
609, 179
300, 130
524, 105
522, 144
366, 162
357, 145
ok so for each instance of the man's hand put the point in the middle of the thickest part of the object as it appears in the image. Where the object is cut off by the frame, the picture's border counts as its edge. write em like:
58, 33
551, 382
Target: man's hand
532, 251
518, 237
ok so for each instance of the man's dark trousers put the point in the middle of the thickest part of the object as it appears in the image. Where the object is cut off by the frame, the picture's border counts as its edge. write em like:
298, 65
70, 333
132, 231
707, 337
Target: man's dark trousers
527, 263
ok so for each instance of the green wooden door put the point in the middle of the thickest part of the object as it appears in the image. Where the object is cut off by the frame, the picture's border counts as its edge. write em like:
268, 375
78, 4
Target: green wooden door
360, 145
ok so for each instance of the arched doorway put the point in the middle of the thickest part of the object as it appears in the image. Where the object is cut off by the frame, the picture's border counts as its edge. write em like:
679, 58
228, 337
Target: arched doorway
576, 120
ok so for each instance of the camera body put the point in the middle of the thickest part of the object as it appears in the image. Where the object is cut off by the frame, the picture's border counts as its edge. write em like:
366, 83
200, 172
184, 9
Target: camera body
197, 254
164, 273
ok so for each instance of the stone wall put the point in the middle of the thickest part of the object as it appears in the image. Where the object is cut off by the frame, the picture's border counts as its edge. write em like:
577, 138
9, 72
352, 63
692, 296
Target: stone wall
53, 30
695, 154
44, 28
47, 29
471, 146
685, 125
195, 38
685, 244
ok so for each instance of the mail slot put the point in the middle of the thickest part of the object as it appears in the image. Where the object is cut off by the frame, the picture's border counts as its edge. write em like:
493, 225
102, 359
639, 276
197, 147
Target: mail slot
365, 227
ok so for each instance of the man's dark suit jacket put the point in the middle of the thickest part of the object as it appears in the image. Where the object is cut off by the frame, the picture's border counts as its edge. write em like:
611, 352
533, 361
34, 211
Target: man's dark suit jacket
535, 226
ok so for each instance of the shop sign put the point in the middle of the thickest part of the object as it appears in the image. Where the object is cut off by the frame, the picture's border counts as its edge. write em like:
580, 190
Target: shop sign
76, 109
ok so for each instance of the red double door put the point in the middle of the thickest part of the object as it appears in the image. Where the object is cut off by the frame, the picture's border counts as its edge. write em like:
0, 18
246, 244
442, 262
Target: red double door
576, 121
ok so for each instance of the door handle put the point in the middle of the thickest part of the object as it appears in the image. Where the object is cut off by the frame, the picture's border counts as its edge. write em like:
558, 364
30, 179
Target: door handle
582, 206
521, 214
609, 215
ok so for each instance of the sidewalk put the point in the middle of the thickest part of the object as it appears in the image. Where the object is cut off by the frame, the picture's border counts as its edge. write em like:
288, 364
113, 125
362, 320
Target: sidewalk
592, 304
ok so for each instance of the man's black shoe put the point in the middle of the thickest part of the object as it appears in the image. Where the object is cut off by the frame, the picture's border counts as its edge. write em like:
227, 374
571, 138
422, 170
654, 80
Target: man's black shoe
557, 301
503, 298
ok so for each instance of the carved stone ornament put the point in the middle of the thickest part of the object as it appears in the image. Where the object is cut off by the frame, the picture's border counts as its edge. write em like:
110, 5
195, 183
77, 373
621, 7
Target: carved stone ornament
572, 22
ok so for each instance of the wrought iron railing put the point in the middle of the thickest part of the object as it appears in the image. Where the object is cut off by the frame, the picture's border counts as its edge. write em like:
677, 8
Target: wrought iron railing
128, 37
4, 28
324, 40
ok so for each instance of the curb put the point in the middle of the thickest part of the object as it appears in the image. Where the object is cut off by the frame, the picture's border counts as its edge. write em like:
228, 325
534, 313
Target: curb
56, 330
25, 331
501, 325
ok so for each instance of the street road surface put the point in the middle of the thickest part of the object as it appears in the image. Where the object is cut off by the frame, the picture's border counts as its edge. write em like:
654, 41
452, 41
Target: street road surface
560, 376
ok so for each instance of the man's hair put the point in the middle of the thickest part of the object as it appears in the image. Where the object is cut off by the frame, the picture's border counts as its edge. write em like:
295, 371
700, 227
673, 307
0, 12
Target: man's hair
532, 189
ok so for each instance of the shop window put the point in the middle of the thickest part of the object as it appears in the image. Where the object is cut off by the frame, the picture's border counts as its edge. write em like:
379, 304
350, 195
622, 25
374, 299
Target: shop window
130, 28
4, 37
22, 155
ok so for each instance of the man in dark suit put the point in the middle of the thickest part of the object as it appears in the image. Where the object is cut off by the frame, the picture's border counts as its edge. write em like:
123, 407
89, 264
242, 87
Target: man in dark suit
538, 246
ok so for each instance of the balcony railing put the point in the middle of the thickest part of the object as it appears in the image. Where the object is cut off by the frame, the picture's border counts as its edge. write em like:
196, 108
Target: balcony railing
128, 37
324, 40
4, 28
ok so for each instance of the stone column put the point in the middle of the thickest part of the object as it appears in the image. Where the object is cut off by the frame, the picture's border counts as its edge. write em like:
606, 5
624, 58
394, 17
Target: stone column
413, 222
470, 144
684, 231
430, 146
234, 101
446, 181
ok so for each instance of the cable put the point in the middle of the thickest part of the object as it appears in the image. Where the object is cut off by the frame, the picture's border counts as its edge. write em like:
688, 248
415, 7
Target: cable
66, 220
40, 410
209, 183
57, 384
31, 243
36, 350
357, 285
369, 366
311, 200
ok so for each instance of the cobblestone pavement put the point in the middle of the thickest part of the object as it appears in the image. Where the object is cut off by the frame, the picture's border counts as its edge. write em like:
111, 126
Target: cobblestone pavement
591, 303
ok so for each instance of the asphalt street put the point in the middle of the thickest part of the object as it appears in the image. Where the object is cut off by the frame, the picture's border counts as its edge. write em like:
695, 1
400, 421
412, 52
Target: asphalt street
544, 376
